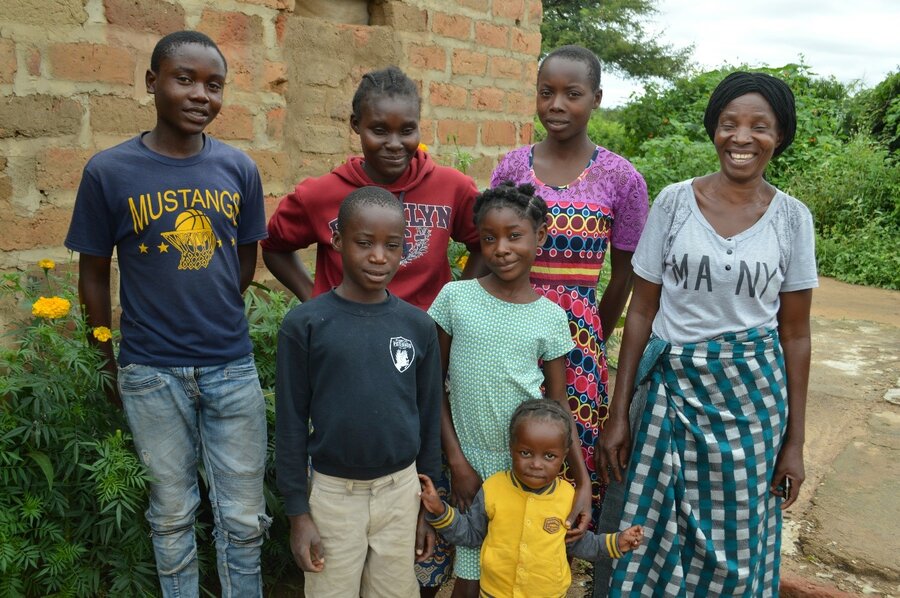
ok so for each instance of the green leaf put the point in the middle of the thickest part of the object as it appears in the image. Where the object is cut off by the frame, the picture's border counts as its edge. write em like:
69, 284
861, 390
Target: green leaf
43, 461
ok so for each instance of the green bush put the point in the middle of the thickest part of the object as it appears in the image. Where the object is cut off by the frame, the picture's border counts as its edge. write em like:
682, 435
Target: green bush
73, 491
674, 158
854, 195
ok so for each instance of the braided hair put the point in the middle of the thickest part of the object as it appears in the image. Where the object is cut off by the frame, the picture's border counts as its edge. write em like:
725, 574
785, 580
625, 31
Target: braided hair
364, 197
520, 198
386, 82
166, 46
578, 54
775, 91
541, 410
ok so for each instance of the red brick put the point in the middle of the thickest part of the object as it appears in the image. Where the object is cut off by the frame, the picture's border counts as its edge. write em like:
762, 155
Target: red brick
275, 124
244, 66
287, 5
488, 98
232, 27
466, 62
38, 115
505, 68
275, 77
526, 132
456, 26
495, 36
427, 57
498, 132
45, 228
426, 131
60, 168
531, 69
280, 25
520, 103
44, 13
510, 9
33, 62
526, 42
465, 132
535, 12
274, 167
120, 116
156, 16
447, 94
479, 5
234, 122
7, 61
400, 16
92, 62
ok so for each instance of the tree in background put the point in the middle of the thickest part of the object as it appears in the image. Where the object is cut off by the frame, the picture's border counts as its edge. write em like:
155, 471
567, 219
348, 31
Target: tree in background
614, 31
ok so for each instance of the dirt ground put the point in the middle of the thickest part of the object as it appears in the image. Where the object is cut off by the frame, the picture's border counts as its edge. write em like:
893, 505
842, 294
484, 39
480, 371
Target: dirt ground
844, 531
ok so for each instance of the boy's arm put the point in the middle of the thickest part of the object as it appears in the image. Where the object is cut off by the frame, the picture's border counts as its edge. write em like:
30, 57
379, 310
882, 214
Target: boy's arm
462, 529
288, 269
93, 292
247, 261
429, 393
593, 547
292, 411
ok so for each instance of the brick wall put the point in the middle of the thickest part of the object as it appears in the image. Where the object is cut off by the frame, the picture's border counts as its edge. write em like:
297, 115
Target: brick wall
72, 83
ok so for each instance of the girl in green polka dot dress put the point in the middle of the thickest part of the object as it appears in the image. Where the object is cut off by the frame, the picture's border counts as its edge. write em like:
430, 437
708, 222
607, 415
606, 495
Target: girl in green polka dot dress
500, 344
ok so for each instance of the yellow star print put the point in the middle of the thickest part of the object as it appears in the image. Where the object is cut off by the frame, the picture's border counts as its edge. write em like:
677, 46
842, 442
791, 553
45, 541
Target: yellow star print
142, 248
163, 248
219, 242
232, 242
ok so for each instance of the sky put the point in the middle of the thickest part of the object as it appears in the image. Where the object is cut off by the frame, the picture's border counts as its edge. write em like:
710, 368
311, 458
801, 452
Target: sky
850, 39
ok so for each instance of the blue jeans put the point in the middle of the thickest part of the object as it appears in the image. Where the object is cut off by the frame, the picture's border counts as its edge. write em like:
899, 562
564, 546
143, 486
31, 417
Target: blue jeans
178, 415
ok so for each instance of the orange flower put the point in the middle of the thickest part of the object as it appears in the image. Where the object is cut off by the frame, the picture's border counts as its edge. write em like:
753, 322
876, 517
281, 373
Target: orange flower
102, 334
46, 265
423, 147
50, 308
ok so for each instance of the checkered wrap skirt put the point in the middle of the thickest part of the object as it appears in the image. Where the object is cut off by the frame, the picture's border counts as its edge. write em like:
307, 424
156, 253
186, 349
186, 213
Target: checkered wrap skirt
699, 477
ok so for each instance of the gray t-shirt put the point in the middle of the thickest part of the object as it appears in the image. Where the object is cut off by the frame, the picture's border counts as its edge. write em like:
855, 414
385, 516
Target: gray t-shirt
712, 285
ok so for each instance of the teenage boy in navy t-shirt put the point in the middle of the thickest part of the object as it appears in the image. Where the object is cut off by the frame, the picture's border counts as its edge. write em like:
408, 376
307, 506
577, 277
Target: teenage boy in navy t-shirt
184, 213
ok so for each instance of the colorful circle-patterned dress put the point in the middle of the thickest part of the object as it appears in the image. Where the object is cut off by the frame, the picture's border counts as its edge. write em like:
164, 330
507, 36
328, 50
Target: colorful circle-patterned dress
606, 204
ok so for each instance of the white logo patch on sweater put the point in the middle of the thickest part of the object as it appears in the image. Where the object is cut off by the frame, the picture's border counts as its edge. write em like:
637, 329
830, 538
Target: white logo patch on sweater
403, 353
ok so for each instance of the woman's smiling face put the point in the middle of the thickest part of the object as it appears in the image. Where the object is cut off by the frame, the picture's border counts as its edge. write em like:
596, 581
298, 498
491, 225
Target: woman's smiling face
746, 137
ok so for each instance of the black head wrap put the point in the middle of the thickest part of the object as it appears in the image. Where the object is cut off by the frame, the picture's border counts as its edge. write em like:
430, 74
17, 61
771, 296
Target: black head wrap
775, 91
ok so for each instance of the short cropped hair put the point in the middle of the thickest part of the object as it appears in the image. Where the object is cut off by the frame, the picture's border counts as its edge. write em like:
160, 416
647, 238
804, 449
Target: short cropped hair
166, 46
774, 90
578, 54
364, 197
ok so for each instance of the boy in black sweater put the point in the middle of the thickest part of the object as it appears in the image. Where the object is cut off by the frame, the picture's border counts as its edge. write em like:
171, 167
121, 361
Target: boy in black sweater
359, 391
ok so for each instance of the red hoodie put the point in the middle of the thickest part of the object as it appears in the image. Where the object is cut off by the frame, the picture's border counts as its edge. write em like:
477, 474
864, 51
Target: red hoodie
438, 203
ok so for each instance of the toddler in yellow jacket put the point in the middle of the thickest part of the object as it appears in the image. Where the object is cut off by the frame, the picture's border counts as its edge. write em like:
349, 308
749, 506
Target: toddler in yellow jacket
518, 516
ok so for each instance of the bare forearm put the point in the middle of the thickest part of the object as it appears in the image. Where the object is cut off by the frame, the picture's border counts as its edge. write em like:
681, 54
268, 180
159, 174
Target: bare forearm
247, 261
289, 270
615, 296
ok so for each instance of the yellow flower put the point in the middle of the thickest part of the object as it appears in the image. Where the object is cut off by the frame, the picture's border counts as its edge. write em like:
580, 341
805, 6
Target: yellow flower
102, 334
50, 307
423, 147
462, 260
46, 264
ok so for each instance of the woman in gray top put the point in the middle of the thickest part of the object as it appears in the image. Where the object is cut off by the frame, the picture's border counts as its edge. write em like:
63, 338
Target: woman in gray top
725, 270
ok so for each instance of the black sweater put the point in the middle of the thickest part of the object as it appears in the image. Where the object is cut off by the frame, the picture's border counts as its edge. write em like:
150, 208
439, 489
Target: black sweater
358, 388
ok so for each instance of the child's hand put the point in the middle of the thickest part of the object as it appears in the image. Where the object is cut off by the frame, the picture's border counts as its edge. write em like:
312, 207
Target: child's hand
631, 538
430, 499
464, 485
306, 544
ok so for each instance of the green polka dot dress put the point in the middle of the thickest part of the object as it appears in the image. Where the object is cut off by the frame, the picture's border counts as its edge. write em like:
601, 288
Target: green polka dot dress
494, 366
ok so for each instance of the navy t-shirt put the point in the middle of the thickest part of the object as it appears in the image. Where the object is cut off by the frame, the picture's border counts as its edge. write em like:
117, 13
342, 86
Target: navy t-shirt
175, 225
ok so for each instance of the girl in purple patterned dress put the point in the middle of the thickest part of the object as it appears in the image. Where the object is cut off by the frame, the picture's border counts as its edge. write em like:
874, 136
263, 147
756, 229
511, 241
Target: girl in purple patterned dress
598, 204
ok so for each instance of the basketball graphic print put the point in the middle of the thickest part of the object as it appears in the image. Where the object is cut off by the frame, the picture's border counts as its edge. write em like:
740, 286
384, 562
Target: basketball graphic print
194, 238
